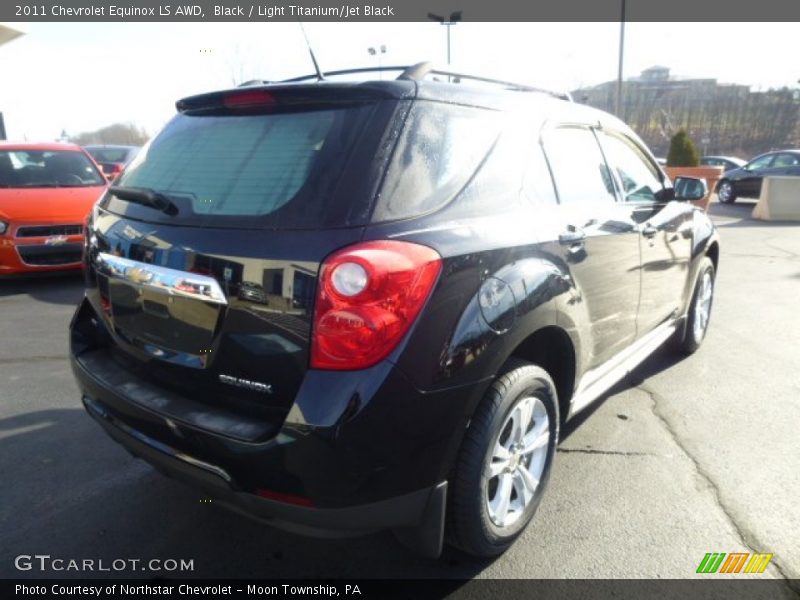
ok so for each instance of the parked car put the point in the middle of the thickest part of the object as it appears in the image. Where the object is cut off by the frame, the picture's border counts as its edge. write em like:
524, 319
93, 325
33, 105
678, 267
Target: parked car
449, 303
46, 193
746, 180
726, 162
112, 158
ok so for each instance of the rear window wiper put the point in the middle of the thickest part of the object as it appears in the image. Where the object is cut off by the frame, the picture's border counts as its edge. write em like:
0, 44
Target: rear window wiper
145, 196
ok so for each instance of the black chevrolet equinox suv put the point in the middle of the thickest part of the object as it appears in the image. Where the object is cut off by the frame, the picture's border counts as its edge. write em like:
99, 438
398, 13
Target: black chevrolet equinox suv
348, 306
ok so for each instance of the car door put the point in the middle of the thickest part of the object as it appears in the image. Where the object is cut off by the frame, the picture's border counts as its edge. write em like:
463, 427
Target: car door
665, 229
598, 242
748, 184
786, 163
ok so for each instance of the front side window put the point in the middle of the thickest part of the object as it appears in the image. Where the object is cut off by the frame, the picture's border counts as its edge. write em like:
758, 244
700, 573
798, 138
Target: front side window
50, 168
578, 166
786, 160
637, 178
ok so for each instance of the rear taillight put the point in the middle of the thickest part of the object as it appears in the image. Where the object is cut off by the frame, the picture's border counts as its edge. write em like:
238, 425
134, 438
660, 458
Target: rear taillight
368, 297
249, 99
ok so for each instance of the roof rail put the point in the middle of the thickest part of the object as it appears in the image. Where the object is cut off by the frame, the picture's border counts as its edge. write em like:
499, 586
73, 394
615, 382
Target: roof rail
421, 70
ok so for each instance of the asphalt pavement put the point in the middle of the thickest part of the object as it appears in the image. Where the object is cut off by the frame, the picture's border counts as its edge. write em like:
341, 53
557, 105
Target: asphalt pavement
683, 458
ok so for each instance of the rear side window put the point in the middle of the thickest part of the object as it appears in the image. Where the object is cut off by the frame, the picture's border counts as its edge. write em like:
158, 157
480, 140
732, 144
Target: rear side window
579, 169
276, 170
438, 152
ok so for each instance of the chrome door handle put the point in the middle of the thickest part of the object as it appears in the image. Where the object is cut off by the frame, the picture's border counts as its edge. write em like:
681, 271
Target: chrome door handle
573, 235
649, 231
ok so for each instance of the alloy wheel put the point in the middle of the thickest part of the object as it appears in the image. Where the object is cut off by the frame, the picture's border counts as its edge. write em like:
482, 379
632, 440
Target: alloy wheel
725, 191
517, 461
702, 307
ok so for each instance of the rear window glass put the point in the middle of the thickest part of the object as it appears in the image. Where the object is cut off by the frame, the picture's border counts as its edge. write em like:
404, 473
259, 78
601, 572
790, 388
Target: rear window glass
236, 166
438, 152
47, 168
276, 170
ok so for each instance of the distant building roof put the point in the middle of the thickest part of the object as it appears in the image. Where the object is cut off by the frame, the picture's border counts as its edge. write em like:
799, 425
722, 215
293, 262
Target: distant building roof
9, 32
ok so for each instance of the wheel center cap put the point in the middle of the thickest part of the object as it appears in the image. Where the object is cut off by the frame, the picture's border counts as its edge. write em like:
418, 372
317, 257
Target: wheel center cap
513, 462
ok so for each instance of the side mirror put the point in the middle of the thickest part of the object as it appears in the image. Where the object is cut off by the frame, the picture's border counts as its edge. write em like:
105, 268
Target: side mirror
690, 188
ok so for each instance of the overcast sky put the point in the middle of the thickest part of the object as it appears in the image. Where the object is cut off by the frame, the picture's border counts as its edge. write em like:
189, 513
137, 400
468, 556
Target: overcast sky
80, 77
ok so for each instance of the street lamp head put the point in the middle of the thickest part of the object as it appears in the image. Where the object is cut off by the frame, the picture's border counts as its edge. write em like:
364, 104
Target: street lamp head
371, 51
437, 18
455, 17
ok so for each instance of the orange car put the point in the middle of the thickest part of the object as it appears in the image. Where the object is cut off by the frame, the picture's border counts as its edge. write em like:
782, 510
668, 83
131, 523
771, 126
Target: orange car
46, 192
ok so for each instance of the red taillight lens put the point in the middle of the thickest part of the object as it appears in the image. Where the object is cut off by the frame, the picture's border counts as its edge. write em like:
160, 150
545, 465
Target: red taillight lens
249, 99
368, 296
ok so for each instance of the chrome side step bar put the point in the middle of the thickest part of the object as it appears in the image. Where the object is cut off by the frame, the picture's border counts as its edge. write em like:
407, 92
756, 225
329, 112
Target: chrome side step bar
600, 379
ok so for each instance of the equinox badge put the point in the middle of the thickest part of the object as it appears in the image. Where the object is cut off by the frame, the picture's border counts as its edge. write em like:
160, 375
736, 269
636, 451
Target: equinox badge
255, 386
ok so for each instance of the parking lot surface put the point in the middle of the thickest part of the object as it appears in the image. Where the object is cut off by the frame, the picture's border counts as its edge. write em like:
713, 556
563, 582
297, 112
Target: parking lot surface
683, 458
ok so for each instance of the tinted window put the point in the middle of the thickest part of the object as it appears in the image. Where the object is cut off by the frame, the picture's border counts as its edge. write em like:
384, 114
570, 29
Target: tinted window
786, 160
578, 167
637, 177
761, 163
38, 168
235, 165
275, 170
438, 152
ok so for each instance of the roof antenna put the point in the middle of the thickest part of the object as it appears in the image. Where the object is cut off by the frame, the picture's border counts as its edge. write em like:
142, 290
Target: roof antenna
320, 74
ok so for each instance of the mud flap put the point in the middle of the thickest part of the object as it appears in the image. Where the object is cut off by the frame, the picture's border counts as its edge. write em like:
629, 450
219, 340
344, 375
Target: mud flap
427, 538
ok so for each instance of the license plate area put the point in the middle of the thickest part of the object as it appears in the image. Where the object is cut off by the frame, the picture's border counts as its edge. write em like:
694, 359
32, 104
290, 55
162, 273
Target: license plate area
171, 315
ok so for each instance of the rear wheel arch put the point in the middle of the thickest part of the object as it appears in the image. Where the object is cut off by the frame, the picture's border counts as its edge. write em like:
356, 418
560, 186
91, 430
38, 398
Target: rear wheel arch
713, 253
552, 349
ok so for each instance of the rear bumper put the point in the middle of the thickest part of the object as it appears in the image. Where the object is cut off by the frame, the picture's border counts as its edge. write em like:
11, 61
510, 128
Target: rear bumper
327, 469
407, 511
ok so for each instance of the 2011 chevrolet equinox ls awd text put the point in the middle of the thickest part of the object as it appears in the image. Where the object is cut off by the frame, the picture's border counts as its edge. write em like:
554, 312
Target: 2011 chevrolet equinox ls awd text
353, 306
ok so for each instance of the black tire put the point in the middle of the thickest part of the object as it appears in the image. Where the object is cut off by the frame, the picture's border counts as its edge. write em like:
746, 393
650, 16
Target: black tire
690, 339
470, 524
725, 192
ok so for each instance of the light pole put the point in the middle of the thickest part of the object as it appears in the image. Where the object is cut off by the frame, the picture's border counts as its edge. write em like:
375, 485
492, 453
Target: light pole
621, 54
454, 18
379, 52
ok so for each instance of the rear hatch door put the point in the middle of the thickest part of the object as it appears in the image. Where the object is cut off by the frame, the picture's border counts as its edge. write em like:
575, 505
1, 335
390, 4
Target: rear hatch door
209, 289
